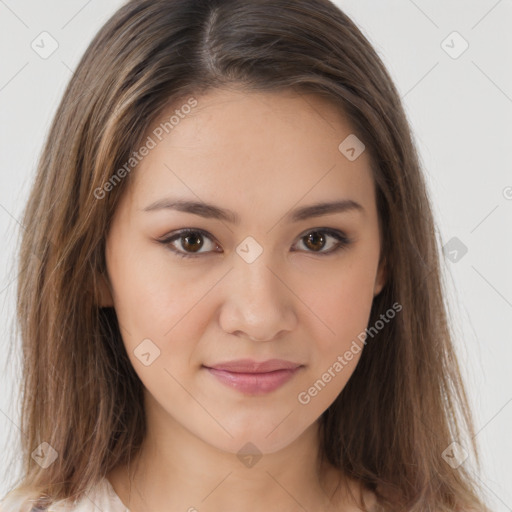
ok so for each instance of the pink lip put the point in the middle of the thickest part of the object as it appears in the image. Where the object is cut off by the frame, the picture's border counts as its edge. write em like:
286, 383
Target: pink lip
251, 366
252, 377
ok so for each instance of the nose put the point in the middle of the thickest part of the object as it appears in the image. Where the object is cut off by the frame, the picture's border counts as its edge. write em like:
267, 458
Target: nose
257, 303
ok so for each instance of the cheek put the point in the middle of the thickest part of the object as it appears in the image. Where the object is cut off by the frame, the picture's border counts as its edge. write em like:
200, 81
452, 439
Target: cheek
147, 288
341, 300
348, 310
155, 308
158, 300
343, 307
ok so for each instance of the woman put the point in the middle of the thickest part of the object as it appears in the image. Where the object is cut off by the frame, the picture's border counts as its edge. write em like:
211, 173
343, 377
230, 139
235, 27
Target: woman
231, 297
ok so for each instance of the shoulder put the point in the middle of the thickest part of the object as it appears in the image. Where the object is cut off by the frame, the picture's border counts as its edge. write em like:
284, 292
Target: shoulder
349, 493
100, 497
24, 503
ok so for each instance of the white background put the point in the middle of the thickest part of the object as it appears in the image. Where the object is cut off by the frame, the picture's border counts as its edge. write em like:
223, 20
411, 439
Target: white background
461, 114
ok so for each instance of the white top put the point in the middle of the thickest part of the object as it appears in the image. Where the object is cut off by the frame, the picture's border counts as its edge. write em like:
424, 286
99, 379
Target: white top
100, 497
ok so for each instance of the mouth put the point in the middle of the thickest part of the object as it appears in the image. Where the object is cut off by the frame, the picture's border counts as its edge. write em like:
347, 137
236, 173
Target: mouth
253, 378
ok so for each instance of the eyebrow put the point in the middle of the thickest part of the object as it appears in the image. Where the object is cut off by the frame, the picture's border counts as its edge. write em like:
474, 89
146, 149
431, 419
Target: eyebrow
211, 211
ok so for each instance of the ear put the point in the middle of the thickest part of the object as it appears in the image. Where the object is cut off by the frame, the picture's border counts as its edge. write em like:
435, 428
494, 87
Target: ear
381, 278
104, 298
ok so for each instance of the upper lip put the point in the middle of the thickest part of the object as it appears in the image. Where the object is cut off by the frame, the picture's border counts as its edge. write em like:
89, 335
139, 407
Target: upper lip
251, 366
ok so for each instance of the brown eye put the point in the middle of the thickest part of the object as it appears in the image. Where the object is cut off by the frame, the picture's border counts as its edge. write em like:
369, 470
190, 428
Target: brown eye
315, 241
191, 242
188, 243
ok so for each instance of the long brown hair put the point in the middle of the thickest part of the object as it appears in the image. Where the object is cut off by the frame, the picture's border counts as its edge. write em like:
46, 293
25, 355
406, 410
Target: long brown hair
405, 402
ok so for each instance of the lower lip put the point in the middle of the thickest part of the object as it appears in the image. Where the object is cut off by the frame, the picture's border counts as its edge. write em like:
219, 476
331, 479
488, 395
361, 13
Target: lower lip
253, 383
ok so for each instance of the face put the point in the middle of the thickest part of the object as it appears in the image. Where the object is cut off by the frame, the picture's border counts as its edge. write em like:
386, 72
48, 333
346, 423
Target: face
250, 271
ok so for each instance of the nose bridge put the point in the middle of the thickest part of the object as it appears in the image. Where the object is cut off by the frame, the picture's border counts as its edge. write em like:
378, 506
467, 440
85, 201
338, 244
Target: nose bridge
251, 262
255, 282
258, 303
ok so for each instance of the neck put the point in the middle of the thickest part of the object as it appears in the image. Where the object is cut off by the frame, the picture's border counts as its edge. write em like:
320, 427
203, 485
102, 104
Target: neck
176, 470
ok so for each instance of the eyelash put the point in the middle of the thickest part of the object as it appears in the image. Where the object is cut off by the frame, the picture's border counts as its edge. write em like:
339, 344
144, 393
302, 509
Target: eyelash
343, 240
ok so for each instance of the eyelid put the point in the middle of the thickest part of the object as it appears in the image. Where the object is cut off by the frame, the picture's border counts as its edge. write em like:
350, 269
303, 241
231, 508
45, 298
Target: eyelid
343, 240
175, 235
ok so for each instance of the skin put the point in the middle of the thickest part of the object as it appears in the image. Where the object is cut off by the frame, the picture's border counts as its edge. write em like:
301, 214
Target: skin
260, 155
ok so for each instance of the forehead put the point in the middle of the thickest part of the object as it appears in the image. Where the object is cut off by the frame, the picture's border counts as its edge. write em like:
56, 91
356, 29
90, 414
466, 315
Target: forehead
262, 147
